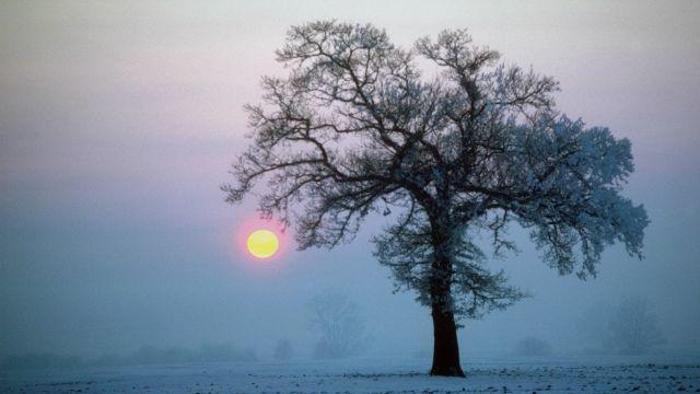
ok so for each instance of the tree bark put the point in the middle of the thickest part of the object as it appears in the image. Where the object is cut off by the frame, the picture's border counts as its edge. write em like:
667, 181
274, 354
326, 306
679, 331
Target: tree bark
445, 345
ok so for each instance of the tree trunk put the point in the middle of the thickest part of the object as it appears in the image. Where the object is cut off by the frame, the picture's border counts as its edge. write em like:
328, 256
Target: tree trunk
445, 345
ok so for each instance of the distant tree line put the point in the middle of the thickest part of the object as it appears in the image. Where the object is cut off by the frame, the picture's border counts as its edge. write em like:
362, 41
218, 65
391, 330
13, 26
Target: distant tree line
142, 356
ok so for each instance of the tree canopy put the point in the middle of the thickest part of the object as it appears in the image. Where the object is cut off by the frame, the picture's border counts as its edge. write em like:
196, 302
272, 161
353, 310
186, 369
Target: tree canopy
462, 147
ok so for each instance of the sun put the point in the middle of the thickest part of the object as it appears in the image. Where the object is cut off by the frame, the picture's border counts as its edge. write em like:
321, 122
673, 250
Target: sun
263, 243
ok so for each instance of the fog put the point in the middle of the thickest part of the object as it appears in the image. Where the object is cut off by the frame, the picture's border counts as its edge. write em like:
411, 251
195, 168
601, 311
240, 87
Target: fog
118, 123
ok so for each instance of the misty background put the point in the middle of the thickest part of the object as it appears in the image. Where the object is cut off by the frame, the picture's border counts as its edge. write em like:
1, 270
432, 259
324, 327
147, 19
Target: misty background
119, 120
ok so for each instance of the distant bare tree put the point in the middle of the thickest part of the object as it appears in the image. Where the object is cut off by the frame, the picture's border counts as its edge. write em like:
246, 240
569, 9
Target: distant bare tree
337, 321
532, 347
633, 328
283, 350
356, 129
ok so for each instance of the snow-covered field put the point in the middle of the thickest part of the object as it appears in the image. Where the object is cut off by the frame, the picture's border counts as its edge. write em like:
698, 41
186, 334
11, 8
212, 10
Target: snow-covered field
598, 375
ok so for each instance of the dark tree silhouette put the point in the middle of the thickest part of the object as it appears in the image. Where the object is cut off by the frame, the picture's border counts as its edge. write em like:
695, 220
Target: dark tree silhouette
355, 128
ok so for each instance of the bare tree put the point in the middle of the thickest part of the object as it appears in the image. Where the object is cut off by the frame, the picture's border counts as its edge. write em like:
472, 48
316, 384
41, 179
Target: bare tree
633, 328
338, 322
533, 347
629, 326
356, 129
283, 350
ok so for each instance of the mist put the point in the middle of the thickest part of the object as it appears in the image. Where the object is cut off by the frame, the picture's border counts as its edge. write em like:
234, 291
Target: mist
119, 122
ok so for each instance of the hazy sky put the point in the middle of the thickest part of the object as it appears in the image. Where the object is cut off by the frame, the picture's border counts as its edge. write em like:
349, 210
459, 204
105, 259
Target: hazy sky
118, 121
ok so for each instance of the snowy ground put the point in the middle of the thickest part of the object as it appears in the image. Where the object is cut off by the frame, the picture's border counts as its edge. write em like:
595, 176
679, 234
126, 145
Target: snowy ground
370, 375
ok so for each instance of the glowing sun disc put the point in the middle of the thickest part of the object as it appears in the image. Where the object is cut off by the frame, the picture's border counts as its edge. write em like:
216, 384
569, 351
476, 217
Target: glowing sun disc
262, 243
